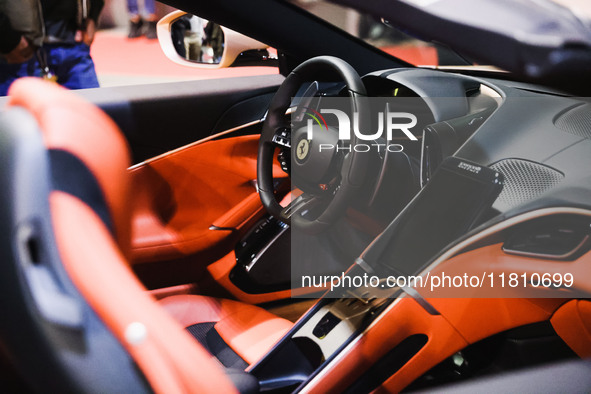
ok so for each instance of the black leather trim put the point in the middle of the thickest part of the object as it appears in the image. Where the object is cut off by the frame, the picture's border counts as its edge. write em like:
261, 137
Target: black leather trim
211, 340
70, 175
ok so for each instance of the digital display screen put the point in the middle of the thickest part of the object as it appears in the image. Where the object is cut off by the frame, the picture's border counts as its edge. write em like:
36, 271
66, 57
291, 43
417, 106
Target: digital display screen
446, 208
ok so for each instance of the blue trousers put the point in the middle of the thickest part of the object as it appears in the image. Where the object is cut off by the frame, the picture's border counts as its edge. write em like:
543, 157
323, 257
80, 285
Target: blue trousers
149, 7
71, 63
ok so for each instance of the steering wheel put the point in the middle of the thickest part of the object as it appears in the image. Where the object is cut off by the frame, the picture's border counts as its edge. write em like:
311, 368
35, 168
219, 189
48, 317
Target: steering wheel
310, 165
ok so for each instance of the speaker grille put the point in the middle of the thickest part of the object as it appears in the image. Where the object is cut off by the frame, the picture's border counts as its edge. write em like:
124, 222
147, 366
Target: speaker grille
524, 180
576, 121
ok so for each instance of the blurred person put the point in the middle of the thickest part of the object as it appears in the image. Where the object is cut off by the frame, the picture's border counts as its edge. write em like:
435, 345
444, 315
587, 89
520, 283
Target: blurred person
178, 31
13, 46
214, 40
136, 23
64, 56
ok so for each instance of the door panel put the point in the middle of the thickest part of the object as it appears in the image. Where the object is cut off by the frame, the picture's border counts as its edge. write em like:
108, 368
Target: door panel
194, 200
160, 117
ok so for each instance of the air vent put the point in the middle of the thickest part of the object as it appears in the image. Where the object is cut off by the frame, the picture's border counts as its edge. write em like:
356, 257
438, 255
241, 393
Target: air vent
576, 121
524, 181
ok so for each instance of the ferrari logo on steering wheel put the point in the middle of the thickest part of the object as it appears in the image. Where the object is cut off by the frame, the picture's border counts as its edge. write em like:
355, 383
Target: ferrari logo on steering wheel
302, 149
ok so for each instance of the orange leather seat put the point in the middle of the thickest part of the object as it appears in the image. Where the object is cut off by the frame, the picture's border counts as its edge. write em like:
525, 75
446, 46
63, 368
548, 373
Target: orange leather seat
92, 235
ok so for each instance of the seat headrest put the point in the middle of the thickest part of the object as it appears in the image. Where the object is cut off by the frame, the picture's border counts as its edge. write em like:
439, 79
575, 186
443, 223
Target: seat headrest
71, 124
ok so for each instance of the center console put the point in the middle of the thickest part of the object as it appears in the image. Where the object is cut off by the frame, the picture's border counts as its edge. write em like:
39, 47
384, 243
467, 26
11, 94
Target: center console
317, 338
262, 265
457, 198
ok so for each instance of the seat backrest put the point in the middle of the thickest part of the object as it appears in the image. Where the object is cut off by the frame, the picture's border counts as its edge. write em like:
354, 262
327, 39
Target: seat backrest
88, 206
80, 131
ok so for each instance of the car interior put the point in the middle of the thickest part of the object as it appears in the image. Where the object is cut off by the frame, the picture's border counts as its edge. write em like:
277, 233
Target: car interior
150, 233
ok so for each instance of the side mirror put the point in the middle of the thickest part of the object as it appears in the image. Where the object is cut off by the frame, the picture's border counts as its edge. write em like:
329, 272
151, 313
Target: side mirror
196, 42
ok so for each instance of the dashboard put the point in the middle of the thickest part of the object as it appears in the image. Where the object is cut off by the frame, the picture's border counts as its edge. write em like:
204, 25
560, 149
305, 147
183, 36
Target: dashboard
540, 141
536, 145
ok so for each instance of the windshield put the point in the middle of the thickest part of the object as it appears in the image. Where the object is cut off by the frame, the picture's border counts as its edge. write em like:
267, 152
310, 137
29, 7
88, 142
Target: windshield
381, 35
